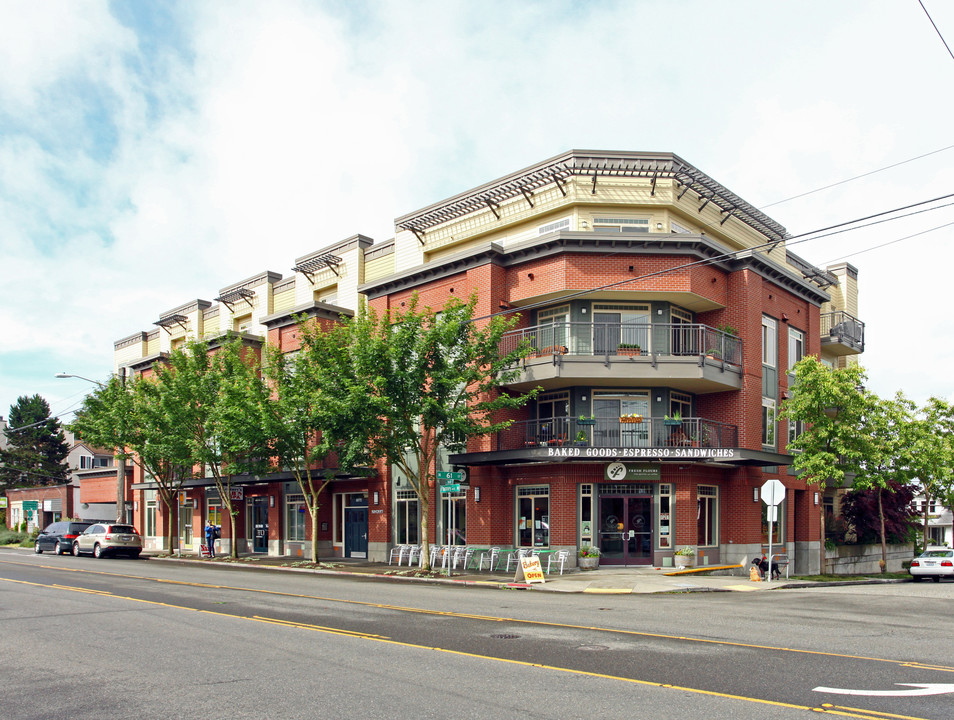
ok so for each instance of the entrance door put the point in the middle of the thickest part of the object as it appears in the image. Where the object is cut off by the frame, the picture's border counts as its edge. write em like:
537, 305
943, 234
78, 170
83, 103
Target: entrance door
455, 518
260, 525
356, 532
626, 529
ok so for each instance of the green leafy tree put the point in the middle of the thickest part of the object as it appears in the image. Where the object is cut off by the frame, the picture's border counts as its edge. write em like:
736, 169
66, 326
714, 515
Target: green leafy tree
319, 412
831, 404
128, 417
213, 398
36, 446
433, 379
933, 455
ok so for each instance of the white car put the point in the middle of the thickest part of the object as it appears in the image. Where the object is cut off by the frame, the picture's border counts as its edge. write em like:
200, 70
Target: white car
935, 563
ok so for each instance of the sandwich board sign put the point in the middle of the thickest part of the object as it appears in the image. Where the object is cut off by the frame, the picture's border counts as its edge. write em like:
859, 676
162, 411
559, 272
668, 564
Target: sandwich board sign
529, 570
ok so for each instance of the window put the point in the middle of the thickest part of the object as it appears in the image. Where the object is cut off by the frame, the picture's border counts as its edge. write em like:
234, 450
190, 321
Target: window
586, 514
626, 225
554, 330
768, 422
795, 428
242, 323
295, 515
778, 534
151, 518
796, 348
677, 228
533, 516
680, 403
707, 516
664, 519
563, 224
406, 518
769, 342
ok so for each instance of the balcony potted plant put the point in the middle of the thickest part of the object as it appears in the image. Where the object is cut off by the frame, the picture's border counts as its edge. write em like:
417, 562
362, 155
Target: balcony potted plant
686, 556
632, 349
673, 420
631, 418
585, 420
581, 438
589, 557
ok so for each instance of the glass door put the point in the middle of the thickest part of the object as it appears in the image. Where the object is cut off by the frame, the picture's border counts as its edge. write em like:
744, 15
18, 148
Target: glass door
626, 529
610, 430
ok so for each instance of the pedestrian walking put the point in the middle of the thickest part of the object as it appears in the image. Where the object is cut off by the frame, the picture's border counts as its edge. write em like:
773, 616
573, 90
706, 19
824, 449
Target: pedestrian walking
211, 532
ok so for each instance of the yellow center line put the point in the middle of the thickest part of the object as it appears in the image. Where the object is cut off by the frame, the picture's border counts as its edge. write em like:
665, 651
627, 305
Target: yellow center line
493, 618
828, 709
872, 713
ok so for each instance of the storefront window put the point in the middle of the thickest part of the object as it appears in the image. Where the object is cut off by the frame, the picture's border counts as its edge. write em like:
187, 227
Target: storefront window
586, 514
664, 527
407, 514
295, 517
533, 516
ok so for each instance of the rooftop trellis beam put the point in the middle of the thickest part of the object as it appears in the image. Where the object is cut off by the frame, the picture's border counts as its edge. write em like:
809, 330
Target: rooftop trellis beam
528, 196
311, 266
165, 322
590, 164
233, 296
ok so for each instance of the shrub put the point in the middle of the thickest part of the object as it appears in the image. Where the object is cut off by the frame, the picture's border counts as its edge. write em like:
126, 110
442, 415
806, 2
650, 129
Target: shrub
12, 537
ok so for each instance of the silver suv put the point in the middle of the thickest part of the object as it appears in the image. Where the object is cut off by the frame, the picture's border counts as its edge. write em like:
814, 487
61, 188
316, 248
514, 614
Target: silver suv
108, 538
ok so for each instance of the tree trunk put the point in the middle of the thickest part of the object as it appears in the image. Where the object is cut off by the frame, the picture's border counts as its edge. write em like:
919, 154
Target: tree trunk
924, 535
884, 542
425, 545
313, 511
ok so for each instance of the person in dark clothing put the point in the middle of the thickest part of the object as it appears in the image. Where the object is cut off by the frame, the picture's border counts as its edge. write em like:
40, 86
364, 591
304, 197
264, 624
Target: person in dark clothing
211, 532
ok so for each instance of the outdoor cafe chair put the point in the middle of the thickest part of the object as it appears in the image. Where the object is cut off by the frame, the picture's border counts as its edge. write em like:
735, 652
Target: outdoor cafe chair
492, 556
397, 553
558, 558
514, 557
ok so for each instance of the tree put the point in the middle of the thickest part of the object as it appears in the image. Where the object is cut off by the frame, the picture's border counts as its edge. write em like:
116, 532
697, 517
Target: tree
213, 399
860, 509
319, 410
933, 455
36, 446
433, 379
831, 405
128, 417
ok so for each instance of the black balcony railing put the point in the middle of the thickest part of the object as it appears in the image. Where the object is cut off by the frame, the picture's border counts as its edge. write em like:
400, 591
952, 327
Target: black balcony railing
843, 327
617, 432
615, 339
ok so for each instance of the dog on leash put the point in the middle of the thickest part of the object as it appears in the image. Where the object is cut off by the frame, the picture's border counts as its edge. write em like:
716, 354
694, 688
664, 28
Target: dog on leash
763, 565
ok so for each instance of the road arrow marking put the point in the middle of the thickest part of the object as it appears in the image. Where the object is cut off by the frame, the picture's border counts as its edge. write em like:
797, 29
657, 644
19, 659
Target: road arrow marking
917, 689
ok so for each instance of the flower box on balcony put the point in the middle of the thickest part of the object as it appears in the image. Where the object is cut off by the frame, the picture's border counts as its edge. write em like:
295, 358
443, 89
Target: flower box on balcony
631, 350
630, 419
586, 421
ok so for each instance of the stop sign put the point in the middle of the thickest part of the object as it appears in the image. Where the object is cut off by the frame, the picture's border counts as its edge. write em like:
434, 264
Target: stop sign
773, 492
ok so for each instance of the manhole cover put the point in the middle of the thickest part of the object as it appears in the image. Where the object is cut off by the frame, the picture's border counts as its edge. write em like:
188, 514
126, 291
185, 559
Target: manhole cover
504, 636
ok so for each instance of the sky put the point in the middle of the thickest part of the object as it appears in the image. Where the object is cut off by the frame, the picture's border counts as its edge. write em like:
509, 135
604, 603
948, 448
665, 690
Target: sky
152, 153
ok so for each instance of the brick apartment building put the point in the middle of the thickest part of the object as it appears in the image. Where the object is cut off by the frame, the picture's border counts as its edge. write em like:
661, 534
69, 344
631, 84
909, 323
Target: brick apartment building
665, 313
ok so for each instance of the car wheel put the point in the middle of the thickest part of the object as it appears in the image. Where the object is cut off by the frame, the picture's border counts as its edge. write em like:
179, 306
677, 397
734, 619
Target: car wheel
36, 548
97, 551
76, 550
936, 578
57, 549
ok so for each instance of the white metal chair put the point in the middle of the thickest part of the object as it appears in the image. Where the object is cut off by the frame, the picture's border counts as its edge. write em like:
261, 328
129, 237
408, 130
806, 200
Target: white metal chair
413, 554
515, 556
492, 556
558, 558
397, 553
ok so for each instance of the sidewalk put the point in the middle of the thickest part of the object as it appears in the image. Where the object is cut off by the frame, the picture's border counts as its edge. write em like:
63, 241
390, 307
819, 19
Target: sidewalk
607, 580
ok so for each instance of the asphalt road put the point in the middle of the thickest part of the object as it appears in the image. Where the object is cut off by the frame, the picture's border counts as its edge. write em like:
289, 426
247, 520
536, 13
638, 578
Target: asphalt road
147, 639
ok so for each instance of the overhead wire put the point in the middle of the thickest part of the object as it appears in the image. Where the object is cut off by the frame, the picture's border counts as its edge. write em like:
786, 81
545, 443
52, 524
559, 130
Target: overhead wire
936, 29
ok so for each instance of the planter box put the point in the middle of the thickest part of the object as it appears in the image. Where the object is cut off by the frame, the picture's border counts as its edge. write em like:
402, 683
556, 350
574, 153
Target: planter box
588, 563
633, 352
630, 420
688, 561
586, 421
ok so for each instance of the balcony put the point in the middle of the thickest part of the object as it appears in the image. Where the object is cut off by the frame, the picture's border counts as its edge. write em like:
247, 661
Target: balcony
651, 438
690, 357
842, 334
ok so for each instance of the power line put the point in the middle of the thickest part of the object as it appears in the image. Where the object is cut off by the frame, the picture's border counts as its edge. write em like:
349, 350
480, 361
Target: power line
892, 242
936, 30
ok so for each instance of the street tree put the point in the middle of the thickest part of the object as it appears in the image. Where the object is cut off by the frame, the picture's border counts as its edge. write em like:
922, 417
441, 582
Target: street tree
213, 397
933, 455
435, 380
319, 412
128, 418
36, 446
831, 405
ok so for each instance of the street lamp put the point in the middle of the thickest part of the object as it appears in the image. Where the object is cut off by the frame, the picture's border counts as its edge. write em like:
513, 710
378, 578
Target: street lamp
120, 461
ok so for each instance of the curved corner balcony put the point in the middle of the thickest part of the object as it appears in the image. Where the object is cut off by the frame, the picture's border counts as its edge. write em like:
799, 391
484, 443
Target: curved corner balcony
646, 438
684, 356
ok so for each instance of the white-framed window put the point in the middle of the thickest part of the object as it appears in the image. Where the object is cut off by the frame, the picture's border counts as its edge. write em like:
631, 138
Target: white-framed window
532, 509
296, 515
796, 348
769, 341
768, 422
707, 515
586, 514
664, 517
406, 518
677, 228
554, 226
795, 428
625, 225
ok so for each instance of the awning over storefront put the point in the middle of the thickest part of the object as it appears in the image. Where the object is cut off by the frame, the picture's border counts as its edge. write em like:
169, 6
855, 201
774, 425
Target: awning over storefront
568, 453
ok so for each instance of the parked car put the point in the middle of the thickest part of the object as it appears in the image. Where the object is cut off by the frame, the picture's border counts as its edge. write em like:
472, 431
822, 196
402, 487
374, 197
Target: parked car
59, 536
935, 563
104, 539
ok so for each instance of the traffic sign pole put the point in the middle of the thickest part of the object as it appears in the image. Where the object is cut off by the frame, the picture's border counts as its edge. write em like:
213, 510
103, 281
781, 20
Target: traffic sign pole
772, 492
